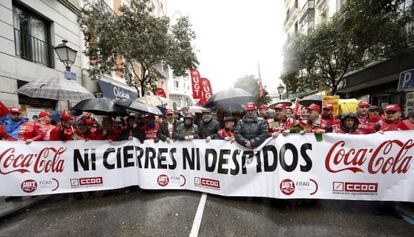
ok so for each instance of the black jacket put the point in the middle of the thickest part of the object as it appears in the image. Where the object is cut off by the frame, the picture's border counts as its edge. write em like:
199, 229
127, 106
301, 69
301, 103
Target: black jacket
182, 131
253, 130
209, 129
135, 132
163, 132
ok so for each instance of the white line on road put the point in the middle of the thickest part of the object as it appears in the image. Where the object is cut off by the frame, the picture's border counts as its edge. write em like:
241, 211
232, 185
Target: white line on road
198, 216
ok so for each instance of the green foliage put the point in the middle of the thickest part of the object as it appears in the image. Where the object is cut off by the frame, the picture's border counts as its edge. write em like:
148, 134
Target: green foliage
362, 32
133, 37
250, 84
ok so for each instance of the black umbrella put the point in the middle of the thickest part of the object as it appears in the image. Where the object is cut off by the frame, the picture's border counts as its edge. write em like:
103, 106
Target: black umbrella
229, 100
99, 106
138, 107
311, 99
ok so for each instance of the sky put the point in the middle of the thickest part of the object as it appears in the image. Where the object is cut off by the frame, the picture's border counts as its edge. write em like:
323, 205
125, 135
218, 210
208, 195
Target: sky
233, 36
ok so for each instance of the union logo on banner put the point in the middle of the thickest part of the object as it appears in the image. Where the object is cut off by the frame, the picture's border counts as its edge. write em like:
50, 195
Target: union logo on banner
196, 83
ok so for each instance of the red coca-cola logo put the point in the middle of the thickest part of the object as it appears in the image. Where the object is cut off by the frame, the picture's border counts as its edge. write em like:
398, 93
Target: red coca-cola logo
163, 180
287, 186
29, 186
45, 161
389, 157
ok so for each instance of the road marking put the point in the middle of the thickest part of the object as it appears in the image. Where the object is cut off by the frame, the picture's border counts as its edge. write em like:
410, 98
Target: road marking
198, 216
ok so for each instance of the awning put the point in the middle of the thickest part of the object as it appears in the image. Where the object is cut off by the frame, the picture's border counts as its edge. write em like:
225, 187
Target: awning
112, 91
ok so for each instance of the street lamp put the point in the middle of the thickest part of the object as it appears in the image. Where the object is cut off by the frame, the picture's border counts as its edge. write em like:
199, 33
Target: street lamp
280, 90
66, 54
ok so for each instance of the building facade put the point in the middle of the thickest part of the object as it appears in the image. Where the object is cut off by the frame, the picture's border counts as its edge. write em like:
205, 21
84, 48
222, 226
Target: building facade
29, 31
180, 92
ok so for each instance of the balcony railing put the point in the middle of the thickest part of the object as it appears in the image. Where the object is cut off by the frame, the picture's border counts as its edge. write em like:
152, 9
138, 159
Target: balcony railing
32, 48
309, 6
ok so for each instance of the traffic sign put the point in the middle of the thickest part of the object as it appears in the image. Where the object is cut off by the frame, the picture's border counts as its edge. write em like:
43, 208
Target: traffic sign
406, 82
70, 75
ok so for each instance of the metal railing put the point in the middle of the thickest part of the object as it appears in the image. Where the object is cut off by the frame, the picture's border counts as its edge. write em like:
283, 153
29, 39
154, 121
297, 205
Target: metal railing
32, 48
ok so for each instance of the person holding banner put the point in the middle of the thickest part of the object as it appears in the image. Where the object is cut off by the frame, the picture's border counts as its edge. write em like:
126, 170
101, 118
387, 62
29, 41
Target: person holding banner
64, 131
251, 131
44, 124
312, 125
132, 130
19, 128
327, 118
227, 133
208, 126
263, 111
150, 127
363, 117
391, 121
280, 122
187, 131
167, 127
349, 124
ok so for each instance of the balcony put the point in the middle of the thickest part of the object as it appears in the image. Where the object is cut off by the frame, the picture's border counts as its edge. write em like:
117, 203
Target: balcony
309, 7
33, 49
291, 17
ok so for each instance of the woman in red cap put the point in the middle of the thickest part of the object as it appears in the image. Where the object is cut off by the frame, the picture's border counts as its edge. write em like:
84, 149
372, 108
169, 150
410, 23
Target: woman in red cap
64, 131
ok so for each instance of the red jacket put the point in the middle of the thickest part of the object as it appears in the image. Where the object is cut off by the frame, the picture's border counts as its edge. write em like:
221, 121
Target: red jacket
67, 134
339, 129
366, 125
386, 125
329, 121
151, 133
30, 130
46, 129
407, 125
281, 125
223, 133
113, 135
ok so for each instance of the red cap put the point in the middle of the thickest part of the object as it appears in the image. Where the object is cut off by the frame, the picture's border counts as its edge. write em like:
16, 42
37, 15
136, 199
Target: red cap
263, 107
250, 106
44, 114
15, 110
363, 104
65, 116
396, 108
328, 106
314, 107
169, 111
280, 106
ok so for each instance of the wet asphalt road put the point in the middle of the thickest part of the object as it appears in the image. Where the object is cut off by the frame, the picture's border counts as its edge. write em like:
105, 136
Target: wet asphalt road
171, 213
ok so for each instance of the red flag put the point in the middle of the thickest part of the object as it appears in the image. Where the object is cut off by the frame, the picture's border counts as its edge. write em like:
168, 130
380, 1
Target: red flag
196, 83
296, 110
207, 92
160, 92
261, 93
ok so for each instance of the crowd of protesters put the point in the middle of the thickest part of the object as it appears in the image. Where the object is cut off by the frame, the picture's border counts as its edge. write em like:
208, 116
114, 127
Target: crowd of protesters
257, 124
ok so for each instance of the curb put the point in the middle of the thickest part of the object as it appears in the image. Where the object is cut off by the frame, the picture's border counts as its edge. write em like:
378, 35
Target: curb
17, 207
406, 212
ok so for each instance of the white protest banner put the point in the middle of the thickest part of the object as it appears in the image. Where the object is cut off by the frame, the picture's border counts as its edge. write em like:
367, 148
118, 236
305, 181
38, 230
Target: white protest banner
358, 167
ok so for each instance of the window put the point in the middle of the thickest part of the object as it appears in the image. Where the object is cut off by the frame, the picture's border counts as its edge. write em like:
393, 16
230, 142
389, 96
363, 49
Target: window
31, 36
176, 84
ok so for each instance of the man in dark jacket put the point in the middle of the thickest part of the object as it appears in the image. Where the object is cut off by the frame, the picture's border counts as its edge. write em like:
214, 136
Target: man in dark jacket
209, 127
186, 131
168, 126
251, 131
132, 130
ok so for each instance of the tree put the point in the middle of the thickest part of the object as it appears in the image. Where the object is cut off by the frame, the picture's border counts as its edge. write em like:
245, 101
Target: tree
136, 37
250, 84
362, 32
